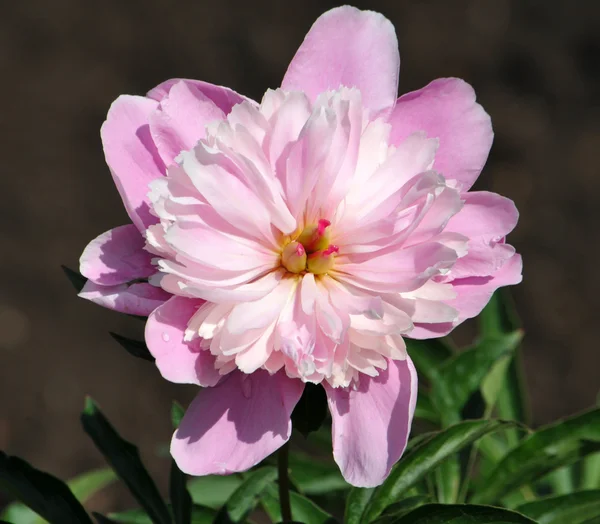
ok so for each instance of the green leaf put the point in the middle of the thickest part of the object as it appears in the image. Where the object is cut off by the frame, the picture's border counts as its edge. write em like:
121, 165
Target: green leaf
498, 318
561, 480
590, 478
459, 377
428, 355
48, 496
18, 512
425, 457
136, 348
425, 409
75, 277
87, 484
311, 410
447, 480
537, 455
573, 508
462, 514
101, 519
213, 491
313, 476
200, 515
303, 509
245, 498
180, 497
125, 460
398, 509
177, 413
356, 503
83, 487
493, 383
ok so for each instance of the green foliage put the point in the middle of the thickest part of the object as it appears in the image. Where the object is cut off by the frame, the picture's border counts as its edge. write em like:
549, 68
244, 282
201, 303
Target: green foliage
245, 498
542, 452
83, 488
125, 460
573, 508
462, 514
313, 476
470, 442
75, 277
135, 348
213, 491
46, 495
424, 458
303, 509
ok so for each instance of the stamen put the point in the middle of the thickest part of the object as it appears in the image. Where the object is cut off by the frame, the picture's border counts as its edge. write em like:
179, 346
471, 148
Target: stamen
316, 236
322, 261
293, 257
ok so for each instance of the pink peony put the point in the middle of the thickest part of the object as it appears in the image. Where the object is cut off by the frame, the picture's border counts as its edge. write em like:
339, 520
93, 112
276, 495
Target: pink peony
298, 240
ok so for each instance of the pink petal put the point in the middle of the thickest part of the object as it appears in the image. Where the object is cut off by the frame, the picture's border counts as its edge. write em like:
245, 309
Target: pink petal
352, 48
380, 195
116, 257
371, 424
236, 203
396, 269
135, 299
446, 109
485, 219
475, 292
214, 249
482, 260
249, 292
179, 361
181, 119
223, 97
131, 154
260, 313
484, 214
425, 331
236, 424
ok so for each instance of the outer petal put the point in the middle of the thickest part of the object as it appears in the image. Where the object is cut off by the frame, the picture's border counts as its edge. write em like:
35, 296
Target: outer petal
179, 361
181, 120
446, 109
131, 154
223, 97
136, 299
349, 47
371, 425
236, 424
472, 295
475, 292
485, 220
485, 215
116, 257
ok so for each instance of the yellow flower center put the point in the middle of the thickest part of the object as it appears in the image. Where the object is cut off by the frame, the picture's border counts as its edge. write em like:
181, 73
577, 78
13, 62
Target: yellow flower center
311, 250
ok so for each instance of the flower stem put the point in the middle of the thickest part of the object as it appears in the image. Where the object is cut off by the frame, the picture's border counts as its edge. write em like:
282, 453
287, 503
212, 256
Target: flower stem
284, 483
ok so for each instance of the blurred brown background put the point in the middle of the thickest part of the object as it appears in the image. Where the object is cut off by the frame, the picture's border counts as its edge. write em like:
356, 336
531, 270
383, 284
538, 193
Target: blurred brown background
534, 64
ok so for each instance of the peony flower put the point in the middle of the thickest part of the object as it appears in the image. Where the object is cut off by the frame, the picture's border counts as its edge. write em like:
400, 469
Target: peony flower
300, 239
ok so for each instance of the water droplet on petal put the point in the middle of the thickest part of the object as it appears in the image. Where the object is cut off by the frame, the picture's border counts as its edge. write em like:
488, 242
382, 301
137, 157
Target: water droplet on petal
166, 337
247, 387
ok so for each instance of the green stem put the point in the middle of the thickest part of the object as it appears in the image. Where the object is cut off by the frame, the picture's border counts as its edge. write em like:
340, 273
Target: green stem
284, 484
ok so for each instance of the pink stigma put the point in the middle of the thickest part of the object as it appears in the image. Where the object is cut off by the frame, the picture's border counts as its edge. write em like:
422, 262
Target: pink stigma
331, 250
322, 225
